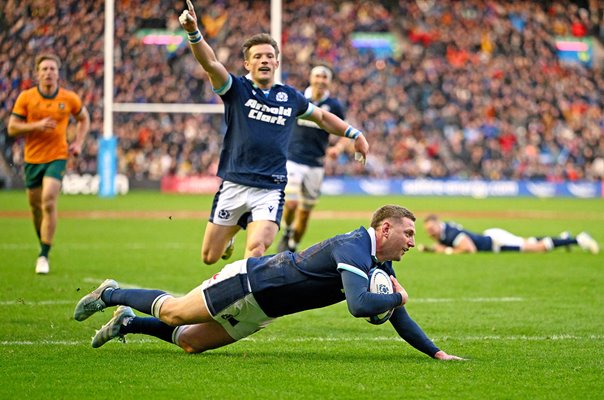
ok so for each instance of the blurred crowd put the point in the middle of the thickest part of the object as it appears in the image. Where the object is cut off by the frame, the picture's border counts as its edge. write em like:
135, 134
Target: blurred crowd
474, 89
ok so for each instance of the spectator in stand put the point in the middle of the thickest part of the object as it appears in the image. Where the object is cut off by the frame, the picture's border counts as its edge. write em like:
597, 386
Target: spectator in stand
467, 73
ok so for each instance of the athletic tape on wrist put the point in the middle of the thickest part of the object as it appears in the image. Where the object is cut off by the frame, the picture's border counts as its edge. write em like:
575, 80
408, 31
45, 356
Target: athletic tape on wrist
352, 133
195, 37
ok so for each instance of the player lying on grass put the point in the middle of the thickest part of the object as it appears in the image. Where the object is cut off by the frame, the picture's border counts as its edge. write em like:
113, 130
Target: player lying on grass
247, 295
452, 238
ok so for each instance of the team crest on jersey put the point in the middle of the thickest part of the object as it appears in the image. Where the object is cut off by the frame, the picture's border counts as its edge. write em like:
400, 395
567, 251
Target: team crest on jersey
61, 106
282, 97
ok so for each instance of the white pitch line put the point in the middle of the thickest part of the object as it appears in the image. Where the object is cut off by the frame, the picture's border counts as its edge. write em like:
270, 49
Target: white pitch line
102, 246
436, 339
23, 302
270, 339
466, 299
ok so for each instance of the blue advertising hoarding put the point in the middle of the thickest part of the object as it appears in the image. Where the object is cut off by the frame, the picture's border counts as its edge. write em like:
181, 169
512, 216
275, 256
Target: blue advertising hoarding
453, 187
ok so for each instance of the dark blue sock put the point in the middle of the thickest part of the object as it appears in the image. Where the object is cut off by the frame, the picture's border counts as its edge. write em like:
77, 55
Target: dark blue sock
149, 326
139, 299
509, 248
563, 242
44, 249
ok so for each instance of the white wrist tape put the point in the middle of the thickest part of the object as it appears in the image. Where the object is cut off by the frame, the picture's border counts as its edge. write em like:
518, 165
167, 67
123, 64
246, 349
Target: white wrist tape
195, 37
352, 133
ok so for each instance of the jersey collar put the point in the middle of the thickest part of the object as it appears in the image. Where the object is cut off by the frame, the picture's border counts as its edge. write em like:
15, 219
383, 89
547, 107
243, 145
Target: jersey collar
371, 233
52, 96
249, 78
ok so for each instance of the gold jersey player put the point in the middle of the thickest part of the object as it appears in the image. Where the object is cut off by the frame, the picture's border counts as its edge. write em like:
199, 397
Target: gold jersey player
41, 114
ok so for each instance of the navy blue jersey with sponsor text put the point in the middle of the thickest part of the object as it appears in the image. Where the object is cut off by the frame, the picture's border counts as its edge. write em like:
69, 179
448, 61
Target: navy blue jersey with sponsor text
259, 128
309, 142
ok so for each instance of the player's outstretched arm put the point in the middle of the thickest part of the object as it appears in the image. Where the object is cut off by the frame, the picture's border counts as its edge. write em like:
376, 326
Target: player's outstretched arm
334, 125
201, 49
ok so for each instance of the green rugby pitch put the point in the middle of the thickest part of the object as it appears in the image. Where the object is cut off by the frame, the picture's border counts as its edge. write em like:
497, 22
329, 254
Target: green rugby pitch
531, 325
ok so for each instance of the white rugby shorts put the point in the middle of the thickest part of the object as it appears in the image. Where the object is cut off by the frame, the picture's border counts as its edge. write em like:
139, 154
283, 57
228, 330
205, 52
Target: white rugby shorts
304, 184
502, 238
236, 204
231, 303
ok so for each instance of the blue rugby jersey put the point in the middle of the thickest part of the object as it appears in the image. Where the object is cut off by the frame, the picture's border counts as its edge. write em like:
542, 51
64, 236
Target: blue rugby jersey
287, 282
290, 282
309, 142
453, 232
259, 127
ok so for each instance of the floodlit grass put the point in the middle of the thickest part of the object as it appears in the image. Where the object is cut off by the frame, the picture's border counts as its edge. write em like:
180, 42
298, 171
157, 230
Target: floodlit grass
531, 325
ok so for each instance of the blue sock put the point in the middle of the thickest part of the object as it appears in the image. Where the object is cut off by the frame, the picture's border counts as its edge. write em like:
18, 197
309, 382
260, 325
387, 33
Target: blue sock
563, 242
149, 326
139, 299
509, 248
44, 249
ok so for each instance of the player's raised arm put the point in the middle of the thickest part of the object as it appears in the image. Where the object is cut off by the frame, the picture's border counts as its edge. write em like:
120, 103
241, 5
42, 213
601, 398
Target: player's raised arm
201, 49
334, 125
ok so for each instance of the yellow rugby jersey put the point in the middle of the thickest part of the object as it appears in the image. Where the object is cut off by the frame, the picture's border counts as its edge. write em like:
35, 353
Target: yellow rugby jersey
51, 144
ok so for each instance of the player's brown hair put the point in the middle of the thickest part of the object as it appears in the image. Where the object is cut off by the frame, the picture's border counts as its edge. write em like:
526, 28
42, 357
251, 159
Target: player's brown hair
47, 56
261, 38
390, 211
431, 217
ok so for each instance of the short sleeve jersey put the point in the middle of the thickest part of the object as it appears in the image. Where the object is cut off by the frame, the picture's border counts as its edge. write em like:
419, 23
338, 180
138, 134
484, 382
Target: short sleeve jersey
49, 145
452, 233
290, 282
309, 142
259, 128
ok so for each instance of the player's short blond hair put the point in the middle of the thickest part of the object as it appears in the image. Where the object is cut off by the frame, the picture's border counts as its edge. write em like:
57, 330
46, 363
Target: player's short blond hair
261, 38
388, 212
47, 56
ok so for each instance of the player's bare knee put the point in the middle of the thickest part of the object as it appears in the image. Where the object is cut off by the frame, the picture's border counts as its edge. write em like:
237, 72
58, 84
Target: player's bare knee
256, 250
208, 257
188, 344
209, 260
189, 348
48, 206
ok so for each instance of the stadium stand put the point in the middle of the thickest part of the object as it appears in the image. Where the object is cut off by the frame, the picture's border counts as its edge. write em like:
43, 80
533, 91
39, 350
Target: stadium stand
473, 89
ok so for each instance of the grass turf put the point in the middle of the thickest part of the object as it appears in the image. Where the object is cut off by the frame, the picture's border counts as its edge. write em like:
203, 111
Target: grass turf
530, 324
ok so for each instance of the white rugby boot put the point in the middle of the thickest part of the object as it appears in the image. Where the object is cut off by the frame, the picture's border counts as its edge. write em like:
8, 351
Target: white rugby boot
588, 243
92, 302
42, 265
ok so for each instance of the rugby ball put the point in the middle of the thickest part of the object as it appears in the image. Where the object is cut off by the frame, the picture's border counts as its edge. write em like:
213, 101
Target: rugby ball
379, 282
